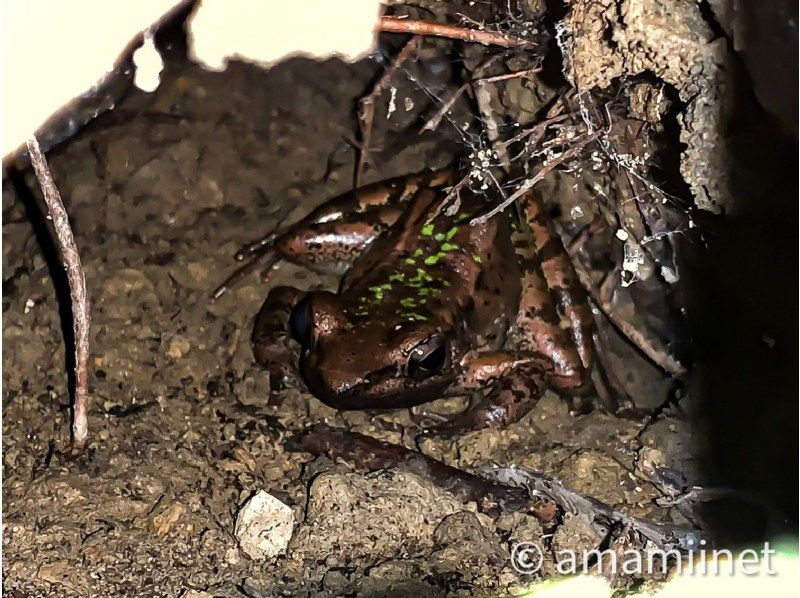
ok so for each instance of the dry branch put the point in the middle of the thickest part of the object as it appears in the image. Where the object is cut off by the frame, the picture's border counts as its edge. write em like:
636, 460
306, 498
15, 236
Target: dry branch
512, 75
573, 151
77, 288
366, 108
483, 99
486, 38
434, 121
658, 355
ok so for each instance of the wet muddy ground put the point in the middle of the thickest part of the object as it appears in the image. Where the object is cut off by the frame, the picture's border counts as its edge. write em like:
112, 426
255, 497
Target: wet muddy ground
161, 193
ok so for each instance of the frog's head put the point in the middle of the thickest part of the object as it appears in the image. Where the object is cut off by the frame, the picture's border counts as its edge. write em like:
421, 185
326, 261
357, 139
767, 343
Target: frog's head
384, 361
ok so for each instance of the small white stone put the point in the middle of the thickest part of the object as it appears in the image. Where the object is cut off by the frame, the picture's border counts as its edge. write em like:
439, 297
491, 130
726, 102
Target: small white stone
264, 526
29, 304
622, 235
232, 556
392, 105
576, 212
668, 274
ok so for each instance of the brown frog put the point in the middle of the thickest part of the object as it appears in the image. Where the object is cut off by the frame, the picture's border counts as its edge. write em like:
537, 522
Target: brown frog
431, 304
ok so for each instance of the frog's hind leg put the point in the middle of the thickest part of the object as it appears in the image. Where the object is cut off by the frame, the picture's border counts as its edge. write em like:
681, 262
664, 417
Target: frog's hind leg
560, 278
335, 233
325, 247
562, 283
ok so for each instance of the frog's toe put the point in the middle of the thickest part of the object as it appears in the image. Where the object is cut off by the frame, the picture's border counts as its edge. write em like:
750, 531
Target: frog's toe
425, 418
439, 432
580, 406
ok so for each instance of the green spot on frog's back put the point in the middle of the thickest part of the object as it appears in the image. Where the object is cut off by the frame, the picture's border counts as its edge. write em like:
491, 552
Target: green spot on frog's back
418, 252
431, 260
462, 217
427, 230
449, 246
451, 233
409, 262
477, 258
398, 277
423, 275
439, 237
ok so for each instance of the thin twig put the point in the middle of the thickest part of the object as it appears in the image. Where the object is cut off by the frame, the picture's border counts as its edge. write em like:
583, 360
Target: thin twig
366, 108
434, 121
529, 183
486, 38
77, 288
484, 101
599, 515
535, 131
448, 104
454, 192
513, 75
657, 355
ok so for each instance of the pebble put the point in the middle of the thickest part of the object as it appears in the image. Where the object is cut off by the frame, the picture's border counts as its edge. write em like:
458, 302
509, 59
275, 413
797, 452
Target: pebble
163, 522
178, 347
264, 526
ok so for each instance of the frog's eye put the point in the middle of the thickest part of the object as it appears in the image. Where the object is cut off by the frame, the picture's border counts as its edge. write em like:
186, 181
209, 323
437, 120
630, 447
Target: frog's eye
428, 357
301, 321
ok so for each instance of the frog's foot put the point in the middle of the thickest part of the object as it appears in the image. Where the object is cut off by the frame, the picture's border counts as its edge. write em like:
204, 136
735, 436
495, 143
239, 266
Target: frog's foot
281, 370
628, 411
504, 404
267, 255
581, 405
425, 417
273, 346
422, 417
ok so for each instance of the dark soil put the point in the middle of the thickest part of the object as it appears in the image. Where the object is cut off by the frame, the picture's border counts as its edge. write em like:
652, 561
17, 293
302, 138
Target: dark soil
161, 192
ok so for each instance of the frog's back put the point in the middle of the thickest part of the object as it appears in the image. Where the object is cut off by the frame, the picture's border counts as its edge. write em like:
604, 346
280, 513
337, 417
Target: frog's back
436, 267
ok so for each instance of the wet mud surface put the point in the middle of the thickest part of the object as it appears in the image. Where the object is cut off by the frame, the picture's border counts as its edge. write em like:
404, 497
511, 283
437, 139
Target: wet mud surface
161, 193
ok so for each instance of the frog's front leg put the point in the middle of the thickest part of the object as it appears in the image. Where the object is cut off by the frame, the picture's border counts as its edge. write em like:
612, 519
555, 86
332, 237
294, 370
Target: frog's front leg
273, 345
512, 382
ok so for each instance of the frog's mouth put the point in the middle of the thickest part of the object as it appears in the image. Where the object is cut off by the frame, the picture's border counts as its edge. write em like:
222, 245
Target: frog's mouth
385, 389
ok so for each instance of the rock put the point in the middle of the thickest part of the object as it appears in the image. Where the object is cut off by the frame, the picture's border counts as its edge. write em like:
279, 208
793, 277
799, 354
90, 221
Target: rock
574, 535
178, 347
670, 39
374, 517
264, 526
56, 572
466, 548
163, 522
595, 474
